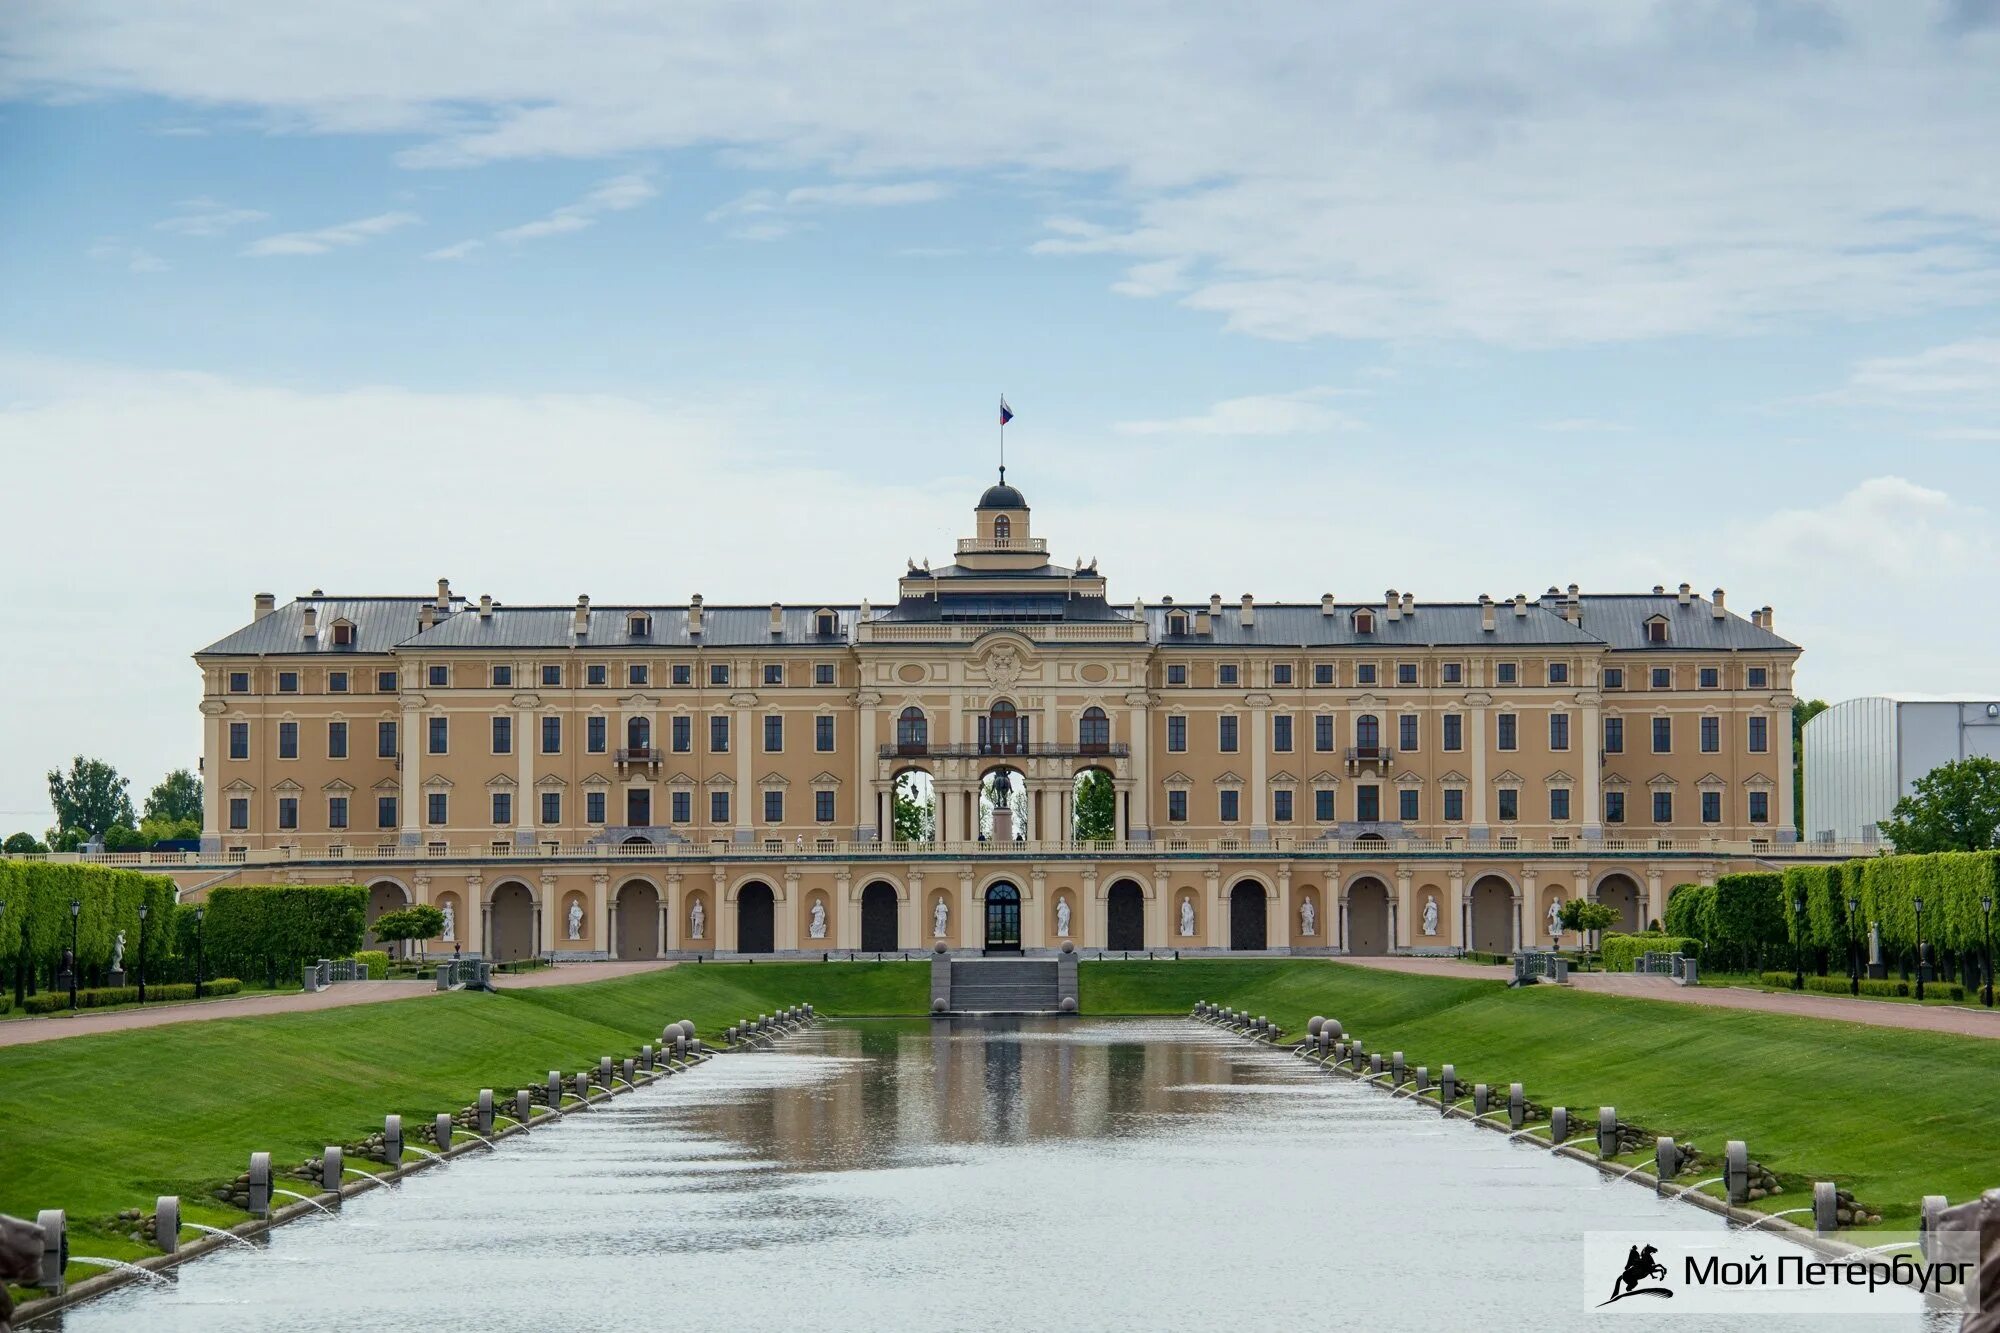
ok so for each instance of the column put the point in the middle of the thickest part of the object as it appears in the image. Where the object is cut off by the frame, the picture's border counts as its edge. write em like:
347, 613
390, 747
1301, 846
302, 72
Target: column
674, 909
846, 912
786, 936
1589, 745
1398, 916
1215, 919
1260, 769
914, 932
211, 787
472, 922
1655, 904
1288, 936
1035, 909
971, 928
869, 824
1523, 902
1787, 829
600, 910
527, 741
746, 792
1479, 828
411, 742
1455, 894
546, 911
665, 915
1138, 728
721, 916
1163, 927
1582, 874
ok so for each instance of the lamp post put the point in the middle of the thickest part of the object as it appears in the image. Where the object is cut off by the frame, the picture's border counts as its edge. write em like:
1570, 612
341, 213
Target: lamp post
1853, 948
1986, 906
199, 912
1920, 948
145, 910
1799, 941
75, 911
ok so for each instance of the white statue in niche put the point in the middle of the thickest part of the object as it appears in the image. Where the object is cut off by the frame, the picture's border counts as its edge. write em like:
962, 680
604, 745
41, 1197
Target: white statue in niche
697, 919
118, 953
451, 921
1556, 917
1308, 919
1430, 914
1062, 918
940, 918
575, 919
1187, 916
816, 927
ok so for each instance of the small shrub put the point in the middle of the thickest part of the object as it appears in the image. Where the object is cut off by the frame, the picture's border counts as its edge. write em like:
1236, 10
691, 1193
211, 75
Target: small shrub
104, 997
1621, 952
376, 961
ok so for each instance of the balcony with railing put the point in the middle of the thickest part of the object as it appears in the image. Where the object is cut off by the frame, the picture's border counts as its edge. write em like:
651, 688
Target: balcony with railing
1008, 749
1022, 545
1370, 759
648, 756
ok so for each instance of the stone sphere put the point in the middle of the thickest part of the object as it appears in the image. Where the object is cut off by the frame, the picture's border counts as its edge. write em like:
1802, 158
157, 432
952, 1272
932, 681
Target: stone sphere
937, 1006
1069, 946
1314, 1024
1068, 1005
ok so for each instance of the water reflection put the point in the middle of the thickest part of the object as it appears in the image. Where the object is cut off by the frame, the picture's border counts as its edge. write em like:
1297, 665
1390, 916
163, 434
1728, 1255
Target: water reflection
968, 1175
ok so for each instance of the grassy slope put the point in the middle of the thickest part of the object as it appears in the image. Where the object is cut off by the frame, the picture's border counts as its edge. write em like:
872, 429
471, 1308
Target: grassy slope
1892, 1115
97, 1124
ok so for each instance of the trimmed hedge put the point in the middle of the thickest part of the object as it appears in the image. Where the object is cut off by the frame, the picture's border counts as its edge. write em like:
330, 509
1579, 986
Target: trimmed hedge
1888, 986
1620, 951
104, 997
273, 929
39, 894
376, 961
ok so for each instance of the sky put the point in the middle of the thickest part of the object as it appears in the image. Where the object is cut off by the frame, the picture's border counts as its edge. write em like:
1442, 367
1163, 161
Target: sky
642, 300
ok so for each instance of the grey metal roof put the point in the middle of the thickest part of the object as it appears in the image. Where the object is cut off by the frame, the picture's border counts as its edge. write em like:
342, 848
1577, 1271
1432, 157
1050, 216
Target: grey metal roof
380, 623
1619, 619
1434, 625
549, 627
999, 607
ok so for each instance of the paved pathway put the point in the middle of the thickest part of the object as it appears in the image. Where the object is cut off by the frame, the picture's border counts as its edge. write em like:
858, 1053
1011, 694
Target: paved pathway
53, 1027
1964, 1022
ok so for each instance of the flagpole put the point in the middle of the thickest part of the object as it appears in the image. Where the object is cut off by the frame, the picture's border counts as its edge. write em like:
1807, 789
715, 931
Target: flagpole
1003, 437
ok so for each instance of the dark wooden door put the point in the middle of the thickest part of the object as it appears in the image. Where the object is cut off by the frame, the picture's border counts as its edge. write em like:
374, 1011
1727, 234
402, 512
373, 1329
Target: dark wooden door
878, 919
1246, 917
1125, 917
756, 920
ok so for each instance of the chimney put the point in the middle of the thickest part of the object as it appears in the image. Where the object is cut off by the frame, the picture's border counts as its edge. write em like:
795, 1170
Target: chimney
694, 615
1202, 623
1395, 608
1718, 611
312, 622
1659, 588
1767, 619
1685, 595
485, 606
1520, 606
777, 618
1249, 611
444, 595
1326, 603
580, 623
265, 604
1410, 605
426, 615
1486, 613
1215, 603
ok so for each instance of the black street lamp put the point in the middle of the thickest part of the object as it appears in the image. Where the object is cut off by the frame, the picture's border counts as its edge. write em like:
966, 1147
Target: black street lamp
1799, 941
1986, 906
145, 910
1920, 948
1853, 948
75, 911
199, 912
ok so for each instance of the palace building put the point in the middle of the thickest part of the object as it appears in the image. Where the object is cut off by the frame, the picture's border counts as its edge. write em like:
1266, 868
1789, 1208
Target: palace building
1001, 756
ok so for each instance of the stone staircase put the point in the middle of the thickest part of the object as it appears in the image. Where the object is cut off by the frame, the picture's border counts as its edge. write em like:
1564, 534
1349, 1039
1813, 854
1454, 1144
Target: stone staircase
1004, 986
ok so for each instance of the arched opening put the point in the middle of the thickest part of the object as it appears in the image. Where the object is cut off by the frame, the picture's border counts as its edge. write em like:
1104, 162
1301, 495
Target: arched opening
756, 919
913, 807
1093, 731
1247, 924
385, 896
912, 731
1003, 730
1125, 916
1003, 530
1621, 894
1492, 910
1003, 806
1003, 918
636, 840
637, 929
639, 733
1368, 918
1094, 807
511, 921
1367, 736
878, 918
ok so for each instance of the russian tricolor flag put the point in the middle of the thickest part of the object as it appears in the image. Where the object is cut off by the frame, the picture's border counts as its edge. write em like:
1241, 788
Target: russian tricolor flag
1006, 412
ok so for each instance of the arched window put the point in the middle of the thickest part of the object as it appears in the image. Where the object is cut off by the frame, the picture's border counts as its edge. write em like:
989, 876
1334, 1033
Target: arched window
1003, 730
912, 733
1003, 531
1368, 735
639, 733
1093, 732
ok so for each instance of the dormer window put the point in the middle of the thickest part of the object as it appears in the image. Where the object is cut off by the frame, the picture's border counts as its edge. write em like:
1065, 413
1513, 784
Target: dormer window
1364, 622
639, 625
1003, 530
1177, 622
1656, 629
343, 634
826, 624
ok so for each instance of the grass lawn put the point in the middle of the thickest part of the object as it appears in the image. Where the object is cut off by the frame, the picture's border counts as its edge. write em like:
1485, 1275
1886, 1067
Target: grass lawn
1892, 1115
97, 1124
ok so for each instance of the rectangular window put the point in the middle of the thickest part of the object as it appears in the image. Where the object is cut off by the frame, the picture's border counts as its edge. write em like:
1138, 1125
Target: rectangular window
552, 807
636, 673
551, 673
1322, 673
1759, 677
385, 812
1323, 805
1226, 733
1364, 674
683, 807
1663, 807
385, 682
823, 673
1177, 734
1281, 807
1281, 674
1453, 673
1507, 673
1505, 738
1710, 678
683, 674
1614, 678
1225, 675
1368, 803
774, 673
595, 730
822, 807
1711, 735
1760, 807
440, 735
774, 807
1663, 735
1406, 805
1323, 732
288, 682
288, 812
503, 675
385, 740
718, 733
1558, 673
439, 675
683, 734
1454, 805
503, 734
1177, 807
1281, 734
239, 812
239, 682
436, 808
1510, 805
1614, 735
1663, 678
239, 740
1176, 674
1760, 734
1454, 731
823, 735
503, 807
336, 812
288, 740
1406, 673
1559, 805
593, 807
774, 733
718, 673
336, 682
552, 734
597, 673
1229, 800
1558, 731
336, 740
1711, 807
718, 807
1614, 807
1406, 733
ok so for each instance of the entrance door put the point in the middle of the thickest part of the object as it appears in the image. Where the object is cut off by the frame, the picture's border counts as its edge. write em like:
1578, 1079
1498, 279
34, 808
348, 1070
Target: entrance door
1003, 919
639, 808
756, 920
1246, 916
878, 918
1368, 918
1125, 917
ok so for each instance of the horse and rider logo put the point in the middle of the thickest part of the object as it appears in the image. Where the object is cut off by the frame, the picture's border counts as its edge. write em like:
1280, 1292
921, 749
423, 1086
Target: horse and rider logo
1640, 1266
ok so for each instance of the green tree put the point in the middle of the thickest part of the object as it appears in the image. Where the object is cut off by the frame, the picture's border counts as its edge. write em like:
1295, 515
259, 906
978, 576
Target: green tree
912, 818
90, 798
1584, 915
18, 844
153, 829
1803, 711
419, 923
125, 838
1954, 808
177, 799
1096, 806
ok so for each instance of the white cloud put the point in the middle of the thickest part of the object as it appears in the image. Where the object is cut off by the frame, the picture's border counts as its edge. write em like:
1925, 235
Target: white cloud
111, 250
340, 235
615, 195
766, 215
461, 250
1257, 415
1584, 426
852, 195
1951, 377
206, 218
